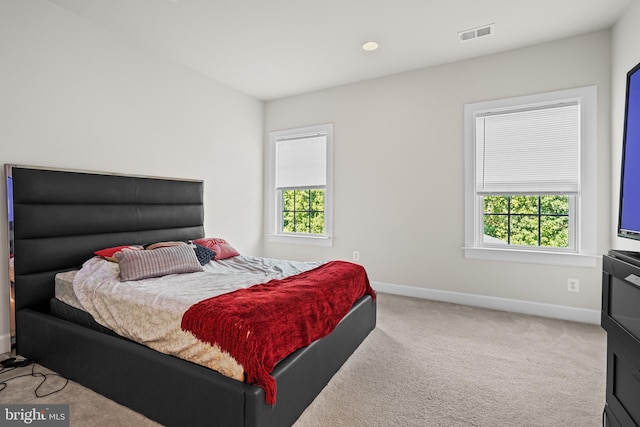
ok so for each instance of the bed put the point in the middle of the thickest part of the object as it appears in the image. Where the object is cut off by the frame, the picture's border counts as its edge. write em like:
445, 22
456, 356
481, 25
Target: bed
59, 218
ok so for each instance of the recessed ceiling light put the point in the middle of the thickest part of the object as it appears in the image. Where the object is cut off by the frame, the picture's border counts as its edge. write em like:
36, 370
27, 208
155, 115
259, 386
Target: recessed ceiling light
370, 45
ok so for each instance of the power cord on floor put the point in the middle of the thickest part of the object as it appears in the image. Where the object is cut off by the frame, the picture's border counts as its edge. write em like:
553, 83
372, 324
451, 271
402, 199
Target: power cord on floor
13, 363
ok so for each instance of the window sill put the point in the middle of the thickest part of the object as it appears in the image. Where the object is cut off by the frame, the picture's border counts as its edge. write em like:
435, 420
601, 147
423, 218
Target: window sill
301, 240
531, 256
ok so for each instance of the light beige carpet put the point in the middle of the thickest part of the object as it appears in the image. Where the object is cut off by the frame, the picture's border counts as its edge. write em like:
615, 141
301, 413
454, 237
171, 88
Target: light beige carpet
427, 364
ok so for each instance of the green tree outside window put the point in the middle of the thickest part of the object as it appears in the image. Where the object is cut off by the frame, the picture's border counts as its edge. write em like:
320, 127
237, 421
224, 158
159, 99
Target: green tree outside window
303, 211
528, 220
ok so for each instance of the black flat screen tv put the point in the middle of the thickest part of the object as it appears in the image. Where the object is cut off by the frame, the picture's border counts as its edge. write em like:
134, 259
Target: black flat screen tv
629, 210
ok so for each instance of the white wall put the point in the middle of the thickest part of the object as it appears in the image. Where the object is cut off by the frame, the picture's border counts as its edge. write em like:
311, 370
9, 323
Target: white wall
398, 170
73, 95
625, 42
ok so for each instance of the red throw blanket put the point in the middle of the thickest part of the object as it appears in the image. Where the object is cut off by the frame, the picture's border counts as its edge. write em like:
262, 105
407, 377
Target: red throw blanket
261, 325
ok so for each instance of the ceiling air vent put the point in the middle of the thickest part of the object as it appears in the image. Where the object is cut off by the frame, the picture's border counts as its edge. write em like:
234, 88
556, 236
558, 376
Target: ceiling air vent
475, 33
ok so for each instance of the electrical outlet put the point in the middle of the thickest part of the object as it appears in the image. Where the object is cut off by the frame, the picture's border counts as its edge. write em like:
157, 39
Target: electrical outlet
356, 256
573, 285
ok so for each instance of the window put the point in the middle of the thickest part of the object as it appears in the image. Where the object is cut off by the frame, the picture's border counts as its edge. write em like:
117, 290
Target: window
303, 211
301, 185
528, 221
529, 185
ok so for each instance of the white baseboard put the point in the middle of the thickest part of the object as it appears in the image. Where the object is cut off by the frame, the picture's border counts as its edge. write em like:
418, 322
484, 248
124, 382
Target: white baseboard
5, 343
575, 314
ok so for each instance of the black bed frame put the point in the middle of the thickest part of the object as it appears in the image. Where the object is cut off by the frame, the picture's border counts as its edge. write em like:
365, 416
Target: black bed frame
60, 218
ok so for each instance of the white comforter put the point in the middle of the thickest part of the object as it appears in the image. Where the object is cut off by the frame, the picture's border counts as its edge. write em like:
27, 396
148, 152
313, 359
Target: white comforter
150, 311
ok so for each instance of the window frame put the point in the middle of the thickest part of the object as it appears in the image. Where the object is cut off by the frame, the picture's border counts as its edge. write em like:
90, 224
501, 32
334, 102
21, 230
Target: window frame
582, 207
275, 208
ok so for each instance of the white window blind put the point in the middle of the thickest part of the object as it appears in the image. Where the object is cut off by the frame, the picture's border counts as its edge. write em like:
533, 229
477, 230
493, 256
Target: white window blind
301, 162
529, 151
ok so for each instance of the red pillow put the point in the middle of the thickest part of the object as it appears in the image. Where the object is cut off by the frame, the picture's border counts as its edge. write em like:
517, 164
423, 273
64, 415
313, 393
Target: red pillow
108, 253
219, 246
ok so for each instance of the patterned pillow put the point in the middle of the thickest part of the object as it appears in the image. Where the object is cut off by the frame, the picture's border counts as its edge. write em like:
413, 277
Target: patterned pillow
204, 254
137, 265
219, 246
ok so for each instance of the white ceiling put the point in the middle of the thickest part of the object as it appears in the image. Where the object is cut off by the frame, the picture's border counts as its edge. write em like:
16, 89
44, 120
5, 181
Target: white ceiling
275, 48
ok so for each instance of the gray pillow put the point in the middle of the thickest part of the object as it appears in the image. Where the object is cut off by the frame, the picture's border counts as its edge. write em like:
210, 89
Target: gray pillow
137, 265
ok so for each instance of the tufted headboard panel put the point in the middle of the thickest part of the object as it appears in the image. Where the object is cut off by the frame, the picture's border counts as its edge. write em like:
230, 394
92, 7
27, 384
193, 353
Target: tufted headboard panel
61, 217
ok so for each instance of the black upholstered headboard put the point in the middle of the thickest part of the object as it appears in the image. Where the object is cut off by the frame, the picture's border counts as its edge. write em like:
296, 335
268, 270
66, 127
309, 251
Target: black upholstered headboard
61, 217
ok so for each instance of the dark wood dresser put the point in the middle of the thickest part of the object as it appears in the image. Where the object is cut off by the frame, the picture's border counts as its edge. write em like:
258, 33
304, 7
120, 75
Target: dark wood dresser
621, 320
